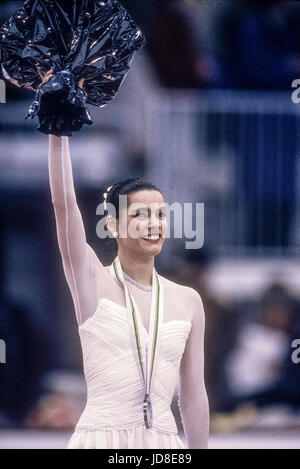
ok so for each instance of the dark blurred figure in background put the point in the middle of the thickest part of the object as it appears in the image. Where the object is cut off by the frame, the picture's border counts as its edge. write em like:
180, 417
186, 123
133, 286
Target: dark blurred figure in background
220, 324
269, 177
257, 47
260, 369
257, 44
20, 375
26, 397
174, 46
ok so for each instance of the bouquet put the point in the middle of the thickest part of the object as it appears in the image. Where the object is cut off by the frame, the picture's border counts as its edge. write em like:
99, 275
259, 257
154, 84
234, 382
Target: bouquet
71, 53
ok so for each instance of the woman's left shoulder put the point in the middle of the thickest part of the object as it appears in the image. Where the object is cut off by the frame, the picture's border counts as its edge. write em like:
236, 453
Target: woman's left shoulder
188, 292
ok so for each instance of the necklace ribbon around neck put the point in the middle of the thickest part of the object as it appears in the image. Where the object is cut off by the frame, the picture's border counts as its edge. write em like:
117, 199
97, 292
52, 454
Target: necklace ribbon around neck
156, 319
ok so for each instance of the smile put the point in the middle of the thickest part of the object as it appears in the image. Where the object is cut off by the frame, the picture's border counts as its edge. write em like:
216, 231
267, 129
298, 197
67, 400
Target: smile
152, 238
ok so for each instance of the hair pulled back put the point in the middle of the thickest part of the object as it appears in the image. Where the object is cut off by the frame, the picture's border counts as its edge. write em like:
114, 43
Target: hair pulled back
125, 187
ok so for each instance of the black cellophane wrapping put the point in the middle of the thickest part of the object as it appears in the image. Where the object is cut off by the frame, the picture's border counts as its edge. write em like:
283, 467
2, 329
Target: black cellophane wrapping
89, 39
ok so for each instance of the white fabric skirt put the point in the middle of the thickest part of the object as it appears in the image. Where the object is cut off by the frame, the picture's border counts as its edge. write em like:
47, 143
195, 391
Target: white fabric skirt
138, 437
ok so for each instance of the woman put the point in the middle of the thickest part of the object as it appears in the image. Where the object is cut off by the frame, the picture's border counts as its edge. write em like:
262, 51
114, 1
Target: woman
119, 310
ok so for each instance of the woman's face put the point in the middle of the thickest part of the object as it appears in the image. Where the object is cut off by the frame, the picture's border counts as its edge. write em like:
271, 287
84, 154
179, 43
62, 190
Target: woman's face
142, 227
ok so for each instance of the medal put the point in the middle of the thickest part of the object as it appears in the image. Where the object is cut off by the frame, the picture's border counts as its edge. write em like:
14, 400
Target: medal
147, 407
156, 317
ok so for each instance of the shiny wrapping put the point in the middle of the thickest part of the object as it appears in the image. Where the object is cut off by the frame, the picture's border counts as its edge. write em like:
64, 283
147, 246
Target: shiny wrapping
83, 39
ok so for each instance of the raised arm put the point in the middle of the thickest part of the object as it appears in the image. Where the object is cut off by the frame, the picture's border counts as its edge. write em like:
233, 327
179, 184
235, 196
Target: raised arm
193, 401
82, 268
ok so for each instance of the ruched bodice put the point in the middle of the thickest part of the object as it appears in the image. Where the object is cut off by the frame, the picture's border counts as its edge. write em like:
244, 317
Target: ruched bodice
115, 390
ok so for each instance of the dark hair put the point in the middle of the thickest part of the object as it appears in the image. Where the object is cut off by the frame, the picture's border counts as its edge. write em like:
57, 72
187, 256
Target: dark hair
125, 187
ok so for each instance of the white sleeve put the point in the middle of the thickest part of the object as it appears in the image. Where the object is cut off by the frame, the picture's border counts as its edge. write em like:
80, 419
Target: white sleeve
85, 274
192, 396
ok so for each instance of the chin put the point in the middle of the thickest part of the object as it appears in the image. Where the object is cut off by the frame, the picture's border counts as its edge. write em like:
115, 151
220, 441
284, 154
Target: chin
156, 251
153, 250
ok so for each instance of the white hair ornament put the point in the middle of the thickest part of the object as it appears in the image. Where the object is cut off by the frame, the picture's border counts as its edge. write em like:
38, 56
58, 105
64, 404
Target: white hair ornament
105, 197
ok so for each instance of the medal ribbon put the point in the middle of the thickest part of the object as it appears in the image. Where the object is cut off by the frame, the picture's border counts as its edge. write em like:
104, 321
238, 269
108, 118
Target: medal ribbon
156, 317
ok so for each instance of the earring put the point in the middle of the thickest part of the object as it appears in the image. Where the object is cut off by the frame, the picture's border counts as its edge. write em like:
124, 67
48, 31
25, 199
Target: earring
115, 234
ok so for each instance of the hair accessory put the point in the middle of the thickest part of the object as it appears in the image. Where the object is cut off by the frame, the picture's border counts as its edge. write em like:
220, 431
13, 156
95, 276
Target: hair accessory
105, 197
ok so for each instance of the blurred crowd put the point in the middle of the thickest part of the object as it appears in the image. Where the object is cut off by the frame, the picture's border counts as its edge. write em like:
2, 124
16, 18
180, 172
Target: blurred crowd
248, 348
230, 44
226, 44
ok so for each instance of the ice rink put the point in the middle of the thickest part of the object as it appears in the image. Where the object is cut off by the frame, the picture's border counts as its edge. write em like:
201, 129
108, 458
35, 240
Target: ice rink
243, 440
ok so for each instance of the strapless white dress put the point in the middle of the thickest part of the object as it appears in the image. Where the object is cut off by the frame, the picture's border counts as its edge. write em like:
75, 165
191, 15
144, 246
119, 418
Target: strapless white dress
113, 415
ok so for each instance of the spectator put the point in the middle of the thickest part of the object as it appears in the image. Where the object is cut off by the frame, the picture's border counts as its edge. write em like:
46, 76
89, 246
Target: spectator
260, 369
20, 376
257, 44
177, 55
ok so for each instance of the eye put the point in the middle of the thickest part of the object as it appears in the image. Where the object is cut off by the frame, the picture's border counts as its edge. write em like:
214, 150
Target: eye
141, 214
162, 214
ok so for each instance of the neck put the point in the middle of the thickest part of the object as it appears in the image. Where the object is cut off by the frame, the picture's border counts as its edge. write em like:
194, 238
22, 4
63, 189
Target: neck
138, 269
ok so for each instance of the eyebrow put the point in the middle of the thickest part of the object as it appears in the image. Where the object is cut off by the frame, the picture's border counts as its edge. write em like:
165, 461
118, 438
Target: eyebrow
146, 208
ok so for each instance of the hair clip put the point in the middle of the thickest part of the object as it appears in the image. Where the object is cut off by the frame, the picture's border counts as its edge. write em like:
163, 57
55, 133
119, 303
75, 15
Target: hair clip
105, 197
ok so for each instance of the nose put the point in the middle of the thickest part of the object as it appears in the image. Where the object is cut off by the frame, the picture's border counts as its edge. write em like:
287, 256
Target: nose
155, 223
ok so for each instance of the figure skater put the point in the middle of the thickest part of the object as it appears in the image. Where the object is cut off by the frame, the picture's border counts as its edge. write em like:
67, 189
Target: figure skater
139, 331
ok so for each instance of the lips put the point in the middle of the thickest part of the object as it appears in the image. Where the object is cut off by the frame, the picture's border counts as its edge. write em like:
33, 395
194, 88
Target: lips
152, 238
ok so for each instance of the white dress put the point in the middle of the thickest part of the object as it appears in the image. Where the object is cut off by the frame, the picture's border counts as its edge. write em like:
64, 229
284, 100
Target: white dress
113, 416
